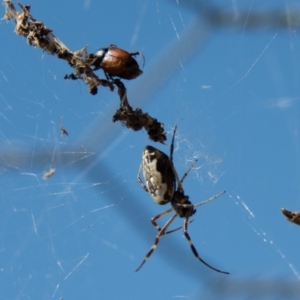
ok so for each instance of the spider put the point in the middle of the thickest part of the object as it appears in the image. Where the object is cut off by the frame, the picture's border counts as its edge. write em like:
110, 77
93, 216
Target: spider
161, 179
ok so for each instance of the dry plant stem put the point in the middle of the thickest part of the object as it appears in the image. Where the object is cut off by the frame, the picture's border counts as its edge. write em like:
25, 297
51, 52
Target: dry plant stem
38, 35
136, 119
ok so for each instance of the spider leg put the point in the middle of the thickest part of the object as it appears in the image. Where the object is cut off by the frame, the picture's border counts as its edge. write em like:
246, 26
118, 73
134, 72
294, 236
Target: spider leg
172, 145
171, 159
203, 202
186, 173
180, 188
159, 216
185, 228
177, 228
156, 241
210, 199
179, 182
140, 179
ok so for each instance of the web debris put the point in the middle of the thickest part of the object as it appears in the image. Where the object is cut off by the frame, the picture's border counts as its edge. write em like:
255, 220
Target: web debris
49, 174
293, 217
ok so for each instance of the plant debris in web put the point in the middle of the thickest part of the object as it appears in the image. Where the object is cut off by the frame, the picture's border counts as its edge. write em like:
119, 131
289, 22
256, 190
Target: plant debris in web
291, 216
136, 119
49, 174
38, 35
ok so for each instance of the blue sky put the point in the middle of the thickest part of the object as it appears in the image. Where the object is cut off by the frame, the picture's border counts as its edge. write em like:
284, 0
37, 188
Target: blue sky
233, 94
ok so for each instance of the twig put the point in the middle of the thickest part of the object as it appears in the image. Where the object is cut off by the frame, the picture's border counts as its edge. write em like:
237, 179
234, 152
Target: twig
136, 119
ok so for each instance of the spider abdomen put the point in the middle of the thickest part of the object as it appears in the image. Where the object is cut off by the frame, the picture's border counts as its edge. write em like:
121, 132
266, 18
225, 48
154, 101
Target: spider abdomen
158, 174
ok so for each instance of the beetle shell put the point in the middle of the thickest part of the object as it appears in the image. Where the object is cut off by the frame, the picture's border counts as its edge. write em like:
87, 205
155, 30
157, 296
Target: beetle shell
117, 62
159, 175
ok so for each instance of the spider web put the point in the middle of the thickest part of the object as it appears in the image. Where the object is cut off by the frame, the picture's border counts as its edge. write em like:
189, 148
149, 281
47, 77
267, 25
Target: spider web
228, 76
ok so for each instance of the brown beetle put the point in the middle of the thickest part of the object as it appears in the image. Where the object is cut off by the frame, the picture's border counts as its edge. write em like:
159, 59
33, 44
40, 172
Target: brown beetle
116, 62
